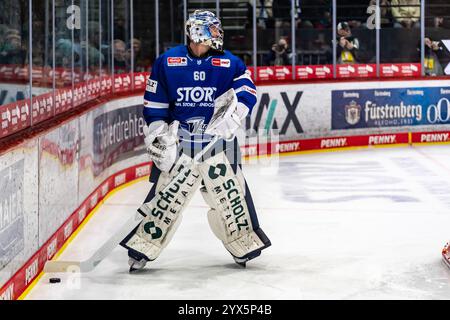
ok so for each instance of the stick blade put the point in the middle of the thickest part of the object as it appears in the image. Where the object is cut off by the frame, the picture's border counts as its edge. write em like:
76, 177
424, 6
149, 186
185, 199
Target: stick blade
62, 266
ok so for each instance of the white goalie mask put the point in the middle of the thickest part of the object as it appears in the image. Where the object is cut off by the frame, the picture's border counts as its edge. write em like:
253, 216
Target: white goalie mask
205, 28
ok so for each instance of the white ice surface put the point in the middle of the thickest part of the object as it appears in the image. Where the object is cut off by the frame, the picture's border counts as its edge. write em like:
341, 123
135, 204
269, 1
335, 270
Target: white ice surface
348, 225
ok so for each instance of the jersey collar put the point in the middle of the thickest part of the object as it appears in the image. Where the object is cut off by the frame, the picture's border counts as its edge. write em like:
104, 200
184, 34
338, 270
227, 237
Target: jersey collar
209, 53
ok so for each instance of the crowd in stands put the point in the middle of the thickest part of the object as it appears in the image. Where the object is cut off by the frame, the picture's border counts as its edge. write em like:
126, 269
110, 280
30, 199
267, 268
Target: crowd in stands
355, 31
317, 14
14, 48
313, 24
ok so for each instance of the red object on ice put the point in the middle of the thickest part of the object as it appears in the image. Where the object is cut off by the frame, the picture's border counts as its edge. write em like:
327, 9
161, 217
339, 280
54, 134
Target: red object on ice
446, 254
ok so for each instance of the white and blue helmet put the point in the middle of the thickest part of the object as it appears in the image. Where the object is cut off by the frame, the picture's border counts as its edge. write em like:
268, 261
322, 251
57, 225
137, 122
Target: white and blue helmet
205, 28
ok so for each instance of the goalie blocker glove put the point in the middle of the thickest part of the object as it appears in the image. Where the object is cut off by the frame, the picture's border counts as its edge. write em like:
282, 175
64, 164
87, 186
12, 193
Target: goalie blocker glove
228, 116
161, 143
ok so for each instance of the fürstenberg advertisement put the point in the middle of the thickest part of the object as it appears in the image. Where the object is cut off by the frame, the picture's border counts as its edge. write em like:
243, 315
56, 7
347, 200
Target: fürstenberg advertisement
375, 108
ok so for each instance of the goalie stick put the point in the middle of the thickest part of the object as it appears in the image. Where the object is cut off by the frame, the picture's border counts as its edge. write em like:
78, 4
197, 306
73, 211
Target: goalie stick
89, 264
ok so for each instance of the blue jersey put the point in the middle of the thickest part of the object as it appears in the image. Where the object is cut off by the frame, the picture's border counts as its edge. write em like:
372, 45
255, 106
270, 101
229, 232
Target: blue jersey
183, 87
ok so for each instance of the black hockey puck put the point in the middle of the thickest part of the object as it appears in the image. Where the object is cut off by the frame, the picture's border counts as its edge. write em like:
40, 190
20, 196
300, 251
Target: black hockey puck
55, 280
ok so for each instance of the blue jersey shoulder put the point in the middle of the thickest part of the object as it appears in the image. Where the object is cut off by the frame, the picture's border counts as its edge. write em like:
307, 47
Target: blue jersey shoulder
178, 51
236, 62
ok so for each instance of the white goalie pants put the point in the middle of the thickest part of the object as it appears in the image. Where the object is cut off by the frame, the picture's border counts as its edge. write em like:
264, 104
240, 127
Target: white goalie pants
232, 215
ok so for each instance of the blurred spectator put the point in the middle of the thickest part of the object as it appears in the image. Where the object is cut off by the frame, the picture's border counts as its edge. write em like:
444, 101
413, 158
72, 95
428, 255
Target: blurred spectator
264, 13
282, 13
307, 15
385, 13
3, 30
41, 40
438, 22
94, 54
434, 51
249, 19
279, 54
406, 13
437, 14
119, 27
141, 63
298, 13
247, 59
63, 53
120, 57
317, 13
11, 51
354, 12
347, 45
38, 53
323, 50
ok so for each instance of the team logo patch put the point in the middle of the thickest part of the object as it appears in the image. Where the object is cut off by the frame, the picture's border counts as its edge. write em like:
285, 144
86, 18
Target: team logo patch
217, 62
196, 125
176, 61
152, 85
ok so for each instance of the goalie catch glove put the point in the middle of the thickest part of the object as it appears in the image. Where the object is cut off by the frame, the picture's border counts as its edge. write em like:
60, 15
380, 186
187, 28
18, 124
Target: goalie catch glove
161, 143
228, 116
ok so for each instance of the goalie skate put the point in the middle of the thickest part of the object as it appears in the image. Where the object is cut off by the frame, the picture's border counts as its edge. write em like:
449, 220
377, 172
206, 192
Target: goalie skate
243, 261
136, 261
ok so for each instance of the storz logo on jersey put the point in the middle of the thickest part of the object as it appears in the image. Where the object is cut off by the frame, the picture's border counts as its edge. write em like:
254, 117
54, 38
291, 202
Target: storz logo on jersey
196, 94
176, 61
217, 62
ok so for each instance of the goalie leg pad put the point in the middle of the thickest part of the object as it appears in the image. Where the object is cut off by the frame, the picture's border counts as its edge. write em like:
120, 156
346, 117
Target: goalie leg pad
163, 218
215, 220
246, 246
210, 201
232, 216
